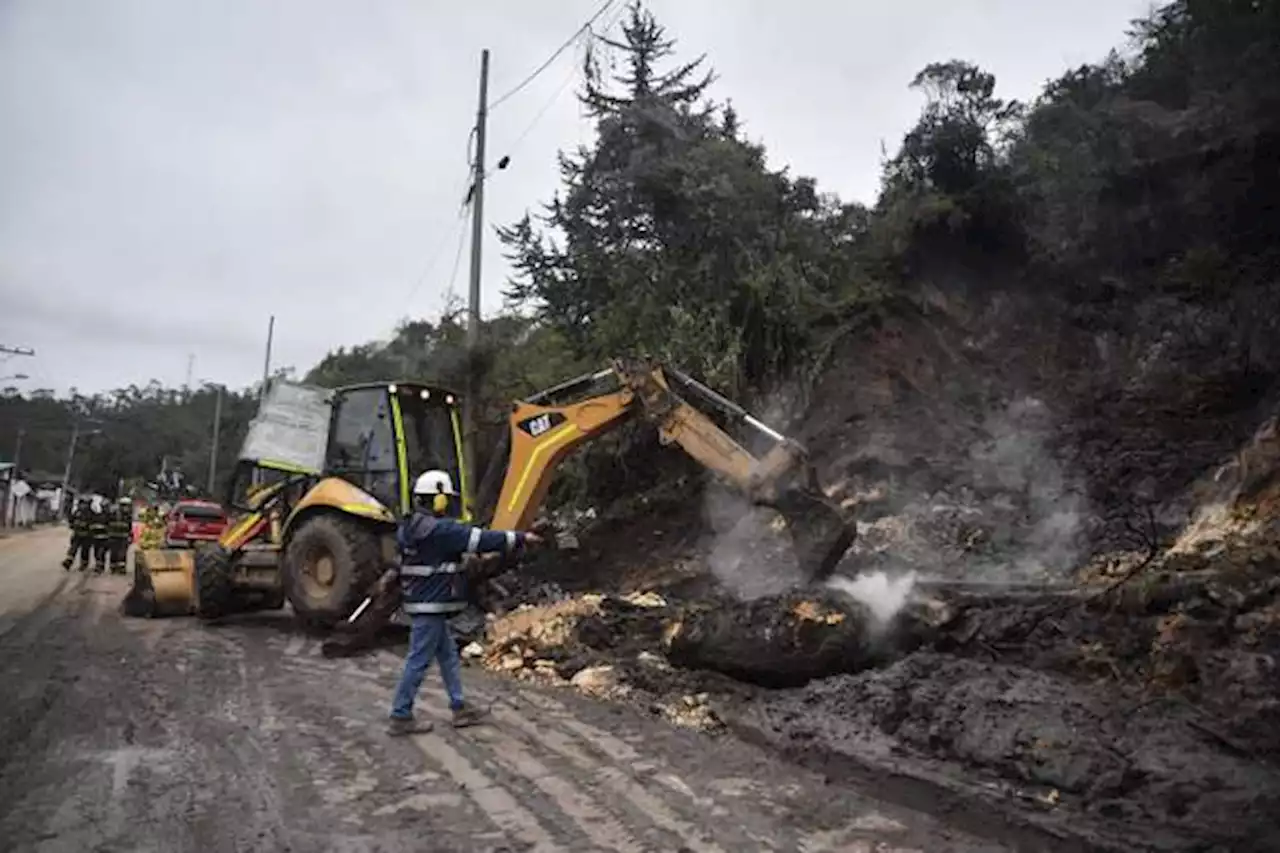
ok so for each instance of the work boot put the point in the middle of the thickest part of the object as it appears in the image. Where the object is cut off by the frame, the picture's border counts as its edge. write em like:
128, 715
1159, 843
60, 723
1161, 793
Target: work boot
401, 726
66, 564
468, 715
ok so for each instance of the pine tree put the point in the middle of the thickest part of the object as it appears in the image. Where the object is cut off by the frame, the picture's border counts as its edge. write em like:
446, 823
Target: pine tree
644, 46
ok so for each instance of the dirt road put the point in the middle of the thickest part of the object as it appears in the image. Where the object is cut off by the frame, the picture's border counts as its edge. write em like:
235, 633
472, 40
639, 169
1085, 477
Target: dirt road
119, 734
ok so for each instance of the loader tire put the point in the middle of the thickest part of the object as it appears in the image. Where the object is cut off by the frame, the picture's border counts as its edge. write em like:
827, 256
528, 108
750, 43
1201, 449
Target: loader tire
330, 564
214, 591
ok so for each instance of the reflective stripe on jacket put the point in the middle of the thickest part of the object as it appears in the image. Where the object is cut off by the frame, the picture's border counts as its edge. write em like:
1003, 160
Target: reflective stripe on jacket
431, 560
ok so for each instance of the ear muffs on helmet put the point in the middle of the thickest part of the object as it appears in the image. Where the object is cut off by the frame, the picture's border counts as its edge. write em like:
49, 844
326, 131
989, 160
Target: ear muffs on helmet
440, 503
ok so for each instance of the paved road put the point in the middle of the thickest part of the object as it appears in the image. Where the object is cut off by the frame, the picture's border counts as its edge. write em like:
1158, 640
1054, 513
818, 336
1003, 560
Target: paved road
26, 575
169, 735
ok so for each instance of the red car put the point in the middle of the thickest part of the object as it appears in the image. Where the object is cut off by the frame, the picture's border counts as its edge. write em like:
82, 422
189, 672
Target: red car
194, 521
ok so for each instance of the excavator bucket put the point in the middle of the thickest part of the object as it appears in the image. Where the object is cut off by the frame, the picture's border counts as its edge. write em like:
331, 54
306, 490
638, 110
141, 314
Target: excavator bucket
820, 532
163, 583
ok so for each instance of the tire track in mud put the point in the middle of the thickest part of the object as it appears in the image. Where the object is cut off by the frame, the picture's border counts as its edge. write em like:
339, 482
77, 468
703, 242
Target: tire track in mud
33, 682
175, 735
500, 773
634, 802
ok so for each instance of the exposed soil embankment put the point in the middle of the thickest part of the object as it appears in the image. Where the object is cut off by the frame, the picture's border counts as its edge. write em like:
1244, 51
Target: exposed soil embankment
1064, 604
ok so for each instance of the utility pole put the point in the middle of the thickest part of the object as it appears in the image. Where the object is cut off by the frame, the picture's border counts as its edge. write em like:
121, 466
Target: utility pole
191, 363
266, 362
17, 450
71, 450
469, 407
71, 454
213, 451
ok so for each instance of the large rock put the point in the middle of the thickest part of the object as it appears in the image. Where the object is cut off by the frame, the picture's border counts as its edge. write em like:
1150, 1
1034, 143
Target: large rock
783, 641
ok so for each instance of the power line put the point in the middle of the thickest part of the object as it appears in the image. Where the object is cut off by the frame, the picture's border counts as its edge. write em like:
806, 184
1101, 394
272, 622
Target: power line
438, 250
604, 7
520, 137
555, 96
457, 258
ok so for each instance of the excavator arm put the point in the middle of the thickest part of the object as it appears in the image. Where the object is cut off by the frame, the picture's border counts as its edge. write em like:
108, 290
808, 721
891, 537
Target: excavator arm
543, 433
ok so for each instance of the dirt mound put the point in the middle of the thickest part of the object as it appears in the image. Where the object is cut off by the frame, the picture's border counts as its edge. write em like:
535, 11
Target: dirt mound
608, 647
787, 641
1134, 776
1094, 637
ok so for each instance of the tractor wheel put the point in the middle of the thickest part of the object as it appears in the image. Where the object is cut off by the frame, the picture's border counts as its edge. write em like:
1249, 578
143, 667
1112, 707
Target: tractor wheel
330, 564
214, 590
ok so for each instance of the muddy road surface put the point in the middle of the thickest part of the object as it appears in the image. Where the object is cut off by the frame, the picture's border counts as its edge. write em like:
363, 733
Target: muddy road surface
169, 735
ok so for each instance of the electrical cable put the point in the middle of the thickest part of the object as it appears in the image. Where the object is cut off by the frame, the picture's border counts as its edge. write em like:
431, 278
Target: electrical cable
546, 107
555, 96
457, 258
554, 56
438, 250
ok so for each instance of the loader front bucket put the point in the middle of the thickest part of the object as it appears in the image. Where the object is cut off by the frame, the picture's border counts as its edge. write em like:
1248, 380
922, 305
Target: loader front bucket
163, 583
820, 533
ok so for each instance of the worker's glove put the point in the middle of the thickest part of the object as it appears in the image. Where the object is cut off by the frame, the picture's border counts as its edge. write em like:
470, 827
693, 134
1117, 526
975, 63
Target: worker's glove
480, 567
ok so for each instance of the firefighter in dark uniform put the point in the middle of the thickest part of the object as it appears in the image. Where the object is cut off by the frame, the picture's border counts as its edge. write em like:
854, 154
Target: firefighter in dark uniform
98, 533
119, 532
79, 522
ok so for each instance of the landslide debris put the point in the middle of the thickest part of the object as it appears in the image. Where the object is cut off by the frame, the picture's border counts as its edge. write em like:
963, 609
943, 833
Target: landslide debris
605, 646
1133, 706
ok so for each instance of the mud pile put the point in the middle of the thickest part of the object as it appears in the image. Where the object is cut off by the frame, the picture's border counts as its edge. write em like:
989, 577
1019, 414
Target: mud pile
1133, 775
605, 646
677, 655
1138, 709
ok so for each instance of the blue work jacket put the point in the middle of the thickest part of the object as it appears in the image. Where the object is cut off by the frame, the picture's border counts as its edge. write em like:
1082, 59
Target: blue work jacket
431, 560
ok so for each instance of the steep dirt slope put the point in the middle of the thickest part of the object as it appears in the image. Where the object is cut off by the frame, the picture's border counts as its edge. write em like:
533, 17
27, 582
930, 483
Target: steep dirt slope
1067, 578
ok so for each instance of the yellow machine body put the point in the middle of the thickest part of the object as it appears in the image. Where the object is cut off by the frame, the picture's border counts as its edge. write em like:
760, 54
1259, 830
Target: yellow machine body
169, 574
416, 421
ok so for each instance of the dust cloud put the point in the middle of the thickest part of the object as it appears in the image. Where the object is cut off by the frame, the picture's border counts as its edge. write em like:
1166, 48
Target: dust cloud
982, 496
749, 550
1037, 518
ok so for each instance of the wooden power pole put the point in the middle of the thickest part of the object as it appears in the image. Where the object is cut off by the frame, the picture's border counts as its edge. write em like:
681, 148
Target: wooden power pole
472, 392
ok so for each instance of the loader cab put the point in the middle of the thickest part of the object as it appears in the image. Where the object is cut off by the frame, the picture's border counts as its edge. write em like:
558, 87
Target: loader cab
383, 435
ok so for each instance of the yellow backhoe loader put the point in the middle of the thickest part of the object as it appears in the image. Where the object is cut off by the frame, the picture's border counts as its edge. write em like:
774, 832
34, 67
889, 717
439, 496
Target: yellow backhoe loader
325, 475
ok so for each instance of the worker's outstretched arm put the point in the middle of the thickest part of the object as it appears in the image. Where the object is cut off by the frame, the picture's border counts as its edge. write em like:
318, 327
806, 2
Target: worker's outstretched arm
467, 539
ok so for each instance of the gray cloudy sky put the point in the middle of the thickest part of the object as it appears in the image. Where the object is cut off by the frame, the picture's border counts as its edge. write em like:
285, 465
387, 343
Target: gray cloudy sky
174, 171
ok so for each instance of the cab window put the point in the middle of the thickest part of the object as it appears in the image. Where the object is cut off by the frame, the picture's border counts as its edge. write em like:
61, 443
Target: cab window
362, 447
429, 439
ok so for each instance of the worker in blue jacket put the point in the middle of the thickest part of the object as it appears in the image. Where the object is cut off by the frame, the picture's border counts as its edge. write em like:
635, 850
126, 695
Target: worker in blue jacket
433, 546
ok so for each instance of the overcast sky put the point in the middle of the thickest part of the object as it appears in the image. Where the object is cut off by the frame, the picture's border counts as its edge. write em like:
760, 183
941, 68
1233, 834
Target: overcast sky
174, 171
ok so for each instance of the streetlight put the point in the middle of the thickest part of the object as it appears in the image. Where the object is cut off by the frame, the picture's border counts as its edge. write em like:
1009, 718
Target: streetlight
217, 423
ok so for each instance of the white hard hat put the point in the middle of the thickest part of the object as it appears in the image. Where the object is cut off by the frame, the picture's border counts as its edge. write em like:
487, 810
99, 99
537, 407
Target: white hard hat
434, 483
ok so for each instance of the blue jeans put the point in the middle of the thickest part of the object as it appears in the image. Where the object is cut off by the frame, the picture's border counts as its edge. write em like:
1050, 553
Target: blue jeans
428, 638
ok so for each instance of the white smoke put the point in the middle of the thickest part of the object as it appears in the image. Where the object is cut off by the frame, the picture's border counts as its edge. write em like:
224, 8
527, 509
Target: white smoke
884, 595
750, 551
1045, 536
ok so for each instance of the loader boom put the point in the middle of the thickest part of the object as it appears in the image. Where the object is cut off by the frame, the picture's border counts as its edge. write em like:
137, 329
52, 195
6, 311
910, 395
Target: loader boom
543, 433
